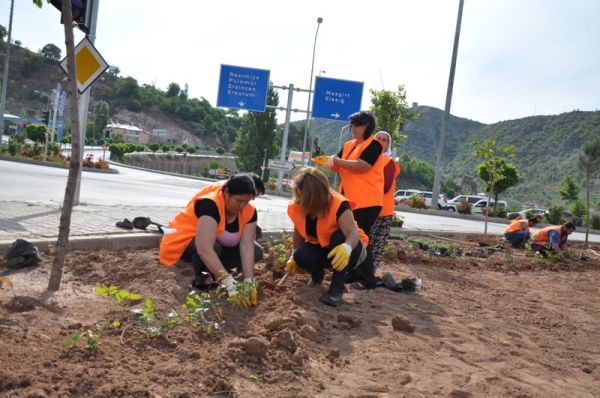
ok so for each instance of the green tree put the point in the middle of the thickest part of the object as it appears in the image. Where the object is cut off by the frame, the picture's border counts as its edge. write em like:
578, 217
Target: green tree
173, 90
391, 111
178, 149
50, 51
489, 152
102, 112
257, 135
569, 189
191, 150
89, 129
3, 32
507, 169
113, 70
154, 146
588, 161
36, 132
165, 148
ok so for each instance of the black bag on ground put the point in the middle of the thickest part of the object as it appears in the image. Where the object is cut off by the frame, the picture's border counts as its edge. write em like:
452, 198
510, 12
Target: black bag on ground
21, 254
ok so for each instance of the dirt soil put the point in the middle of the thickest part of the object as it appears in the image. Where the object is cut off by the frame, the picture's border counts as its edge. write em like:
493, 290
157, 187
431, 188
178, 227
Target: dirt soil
505, 325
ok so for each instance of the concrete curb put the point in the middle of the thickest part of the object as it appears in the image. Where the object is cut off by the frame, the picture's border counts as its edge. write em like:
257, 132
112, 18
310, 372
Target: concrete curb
162, 172
56, 165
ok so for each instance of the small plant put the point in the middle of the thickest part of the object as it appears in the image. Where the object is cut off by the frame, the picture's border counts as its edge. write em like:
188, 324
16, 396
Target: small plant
205, 309
464, 207
389, 251
397, 221
115, 293
279, 252
416, 201
93, 337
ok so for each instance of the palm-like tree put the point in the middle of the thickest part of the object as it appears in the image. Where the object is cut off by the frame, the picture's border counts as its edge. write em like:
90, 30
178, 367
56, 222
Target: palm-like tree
588, 161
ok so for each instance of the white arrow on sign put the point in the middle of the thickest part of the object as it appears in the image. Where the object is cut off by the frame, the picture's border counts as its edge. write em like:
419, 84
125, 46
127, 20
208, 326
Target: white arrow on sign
241, 104
280, 165
335, 115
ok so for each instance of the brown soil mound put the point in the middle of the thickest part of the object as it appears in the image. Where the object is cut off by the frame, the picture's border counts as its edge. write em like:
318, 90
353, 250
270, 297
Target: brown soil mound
506, 325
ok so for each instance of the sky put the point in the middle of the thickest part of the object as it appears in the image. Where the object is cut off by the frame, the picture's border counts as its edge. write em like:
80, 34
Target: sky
516, 58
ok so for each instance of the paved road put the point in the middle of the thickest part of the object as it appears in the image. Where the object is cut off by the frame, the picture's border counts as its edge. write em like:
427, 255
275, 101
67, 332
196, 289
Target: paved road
159, 196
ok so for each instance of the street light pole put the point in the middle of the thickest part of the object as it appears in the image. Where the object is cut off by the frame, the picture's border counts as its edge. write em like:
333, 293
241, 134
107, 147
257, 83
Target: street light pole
310, 90
438, 164
5, 74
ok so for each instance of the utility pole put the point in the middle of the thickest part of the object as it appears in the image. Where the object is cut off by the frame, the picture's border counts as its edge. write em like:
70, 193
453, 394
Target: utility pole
5, 74
442, 141
84, 100
310, 88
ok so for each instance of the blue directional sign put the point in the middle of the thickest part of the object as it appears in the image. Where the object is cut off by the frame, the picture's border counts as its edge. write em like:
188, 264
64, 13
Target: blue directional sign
243, 88
336, 99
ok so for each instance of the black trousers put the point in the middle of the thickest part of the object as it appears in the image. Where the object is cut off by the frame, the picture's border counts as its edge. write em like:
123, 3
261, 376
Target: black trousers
313, 259
229, 256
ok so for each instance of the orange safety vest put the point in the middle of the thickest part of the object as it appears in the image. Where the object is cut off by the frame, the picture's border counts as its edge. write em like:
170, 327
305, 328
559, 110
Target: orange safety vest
185, 222
326, 225
517, 225
541, 237
388, 197
365, 189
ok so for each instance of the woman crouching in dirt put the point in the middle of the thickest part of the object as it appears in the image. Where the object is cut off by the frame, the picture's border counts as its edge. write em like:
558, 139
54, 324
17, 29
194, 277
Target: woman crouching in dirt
216, 233
325, 233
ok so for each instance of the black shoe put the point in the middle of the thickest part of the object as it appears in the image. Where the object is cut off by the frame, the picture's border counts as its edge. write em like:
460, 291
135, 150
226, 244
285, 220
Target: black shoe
314, 282
126, 224
358, 286
332, 298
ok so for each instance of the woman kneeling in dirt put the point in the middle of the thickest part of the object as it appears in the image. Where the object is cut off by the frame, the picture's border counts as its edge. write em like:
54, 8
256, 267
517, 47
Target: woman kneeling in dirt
216, 232
325, 233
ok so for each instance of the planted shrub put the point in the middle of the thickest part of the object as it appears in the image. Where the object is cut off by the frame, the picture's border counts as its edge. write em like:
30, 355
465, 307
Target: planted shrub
554, 215
464, 207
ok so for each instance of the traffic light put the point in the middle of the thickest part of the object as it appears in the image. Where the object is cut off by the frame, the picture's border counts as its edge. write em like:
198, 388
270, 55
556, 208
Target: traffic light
318, 151
81, 9
46, 117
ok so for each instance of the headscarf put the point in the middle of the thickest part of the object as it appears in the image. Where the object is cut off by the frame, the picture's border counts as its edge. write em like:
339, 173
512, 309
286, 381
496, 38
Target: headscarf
388, 151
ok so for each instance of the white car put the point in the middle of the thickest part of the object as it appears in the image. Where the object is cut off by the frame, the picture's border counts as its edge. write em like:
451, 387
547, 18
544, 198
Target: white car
442, 201
402, 194
479, 206
461, 198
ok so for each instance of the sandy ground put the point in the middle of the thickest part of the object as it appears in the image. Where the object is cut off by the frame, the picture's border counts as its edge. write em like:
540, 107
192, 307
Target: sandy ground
499, 326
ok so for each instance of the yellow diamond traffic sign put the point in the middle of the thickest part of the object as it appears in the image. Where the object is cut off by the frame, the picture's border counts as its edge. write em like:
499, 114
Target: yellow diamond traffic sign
88, 62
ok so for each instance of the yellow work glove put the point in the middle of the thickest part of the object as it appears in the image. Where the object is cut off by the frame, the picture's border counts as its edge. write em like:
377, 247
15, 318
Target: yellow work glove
320, 160
340, 256
290, 266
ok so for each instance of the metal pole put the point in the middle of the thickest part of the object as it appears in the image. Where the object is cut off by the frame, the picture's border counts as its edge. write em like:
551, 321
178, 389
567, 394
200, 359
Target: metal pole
84, 101
335, 177
442, 142
286, 131
5, 74
310, 90
54, 112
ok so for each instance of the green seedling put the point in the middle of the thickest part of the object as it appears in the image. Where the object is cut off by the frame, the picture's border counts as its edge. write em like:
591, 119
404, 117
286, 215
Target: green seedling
206, 310
279, 252
253, 377
93, 337
144, 315
115, 293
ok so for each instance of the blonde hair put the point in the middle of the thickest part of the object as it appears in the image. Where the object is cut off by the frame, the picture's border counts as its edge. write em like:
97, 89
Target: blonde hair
315, 197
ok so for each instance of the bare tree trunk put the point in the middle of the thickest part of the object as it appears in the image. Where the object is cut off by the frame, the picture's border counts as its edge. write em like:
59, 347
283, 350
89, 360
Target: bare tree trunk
62, 242
587, 207
487, 207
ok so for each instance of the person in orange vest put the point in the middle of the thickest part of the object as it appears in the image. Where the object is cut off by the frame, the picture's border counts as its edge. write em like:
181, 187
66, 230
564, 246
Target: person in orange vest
360, 166
517, 232
381, 229
325, 233
216, 233
552, 238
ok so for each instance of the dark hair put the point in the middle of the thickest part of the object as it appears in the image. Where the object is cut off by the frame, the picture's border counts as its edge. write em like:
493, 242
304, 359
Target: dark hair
570, 225
259, 185
240, 184
534, 220
363, 118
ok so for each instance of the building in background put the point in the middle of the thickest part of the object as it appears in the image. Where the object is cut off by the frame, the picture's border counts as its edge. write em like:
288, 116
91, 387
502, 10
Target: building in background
130, 134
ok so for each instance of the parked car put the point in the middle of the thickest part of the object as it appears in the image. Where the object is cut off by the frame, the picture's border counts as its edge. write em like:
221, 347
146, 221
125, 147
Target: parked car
479, 206
452, 204
402, 194
442, 201
569, 217
524, 213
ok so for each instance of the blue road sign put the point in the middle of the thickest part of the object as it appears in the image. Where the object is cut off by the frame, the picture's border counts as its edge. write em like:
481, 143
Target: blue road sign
60, 126
243, 88
336, 99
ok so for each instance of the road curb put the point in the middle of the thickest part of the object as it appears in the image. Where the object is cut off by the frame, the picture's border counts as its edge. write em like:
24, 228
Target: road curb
55, 165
